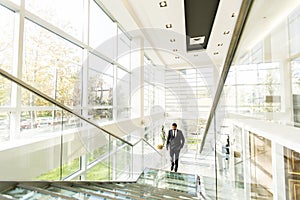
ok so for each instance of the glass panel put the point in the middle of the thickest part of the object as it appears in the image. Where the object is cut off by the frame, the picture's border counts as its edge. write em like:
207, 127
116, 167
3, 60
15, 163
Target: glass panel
292, 173
121, 161
6, 39
100, 89
168, 180
58, 13
261, 166
102, 39
294, 29
124, 48
6, 53
258, 114
83, 140
100, 171
124, 94
52, 65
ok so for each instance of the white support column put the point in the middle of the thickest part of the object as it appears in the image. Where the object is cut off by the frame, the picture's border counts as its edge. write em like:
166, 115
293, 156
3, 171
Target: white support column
15, 117
278, 171
137, 78
247, 164
115, 74
84, 79
286, 89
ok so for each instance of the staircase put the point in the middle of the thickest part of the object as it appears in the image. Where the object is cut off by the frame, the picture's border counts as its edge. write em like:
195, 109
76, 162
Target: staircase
152, 184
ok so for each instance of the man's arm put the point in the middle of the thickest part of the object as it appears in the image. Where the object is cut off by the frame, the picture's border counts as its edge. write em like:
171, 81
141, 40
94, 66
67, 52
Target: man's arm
182, 140
168, 140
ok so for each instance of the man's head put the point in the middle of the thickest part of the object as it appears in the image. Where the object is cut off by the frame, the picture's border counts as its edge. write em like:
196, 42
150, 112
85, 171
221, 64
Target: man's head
174, 126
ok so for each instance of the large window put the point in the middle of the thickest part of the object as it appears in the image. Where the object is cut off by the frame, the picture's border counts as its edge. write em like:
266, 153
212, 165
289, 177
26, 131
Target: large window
52, 65
75, 53
102, 31
6, 52
296, 77
66, 15
124, 93
294, 29
100, 88
249, 88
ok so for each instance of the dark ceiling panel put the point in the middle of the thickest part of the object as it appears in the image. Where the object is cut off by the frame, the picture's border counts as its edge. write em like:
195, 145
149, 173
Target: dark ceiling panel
199, 19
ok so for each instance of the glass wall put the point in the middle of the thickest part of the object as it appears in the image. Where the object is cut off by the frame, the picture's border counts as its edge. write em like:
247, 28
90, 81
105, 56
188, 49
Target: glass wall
252, 136
77, 54
67, 55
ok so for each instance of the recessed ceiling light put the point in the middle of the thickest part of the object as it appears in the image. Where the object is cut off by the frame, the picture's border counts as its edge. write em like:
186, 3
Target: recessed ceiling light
175, 50
168, 25
176, 57
220, 44
216, 53
172, 40
226, 32
197, 40
163, 4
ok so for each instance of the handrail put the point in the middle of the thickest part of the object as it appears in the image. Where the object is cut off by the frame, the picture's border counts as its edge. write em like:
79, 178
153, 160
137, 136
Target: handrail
53, 101
143, 139
241, 20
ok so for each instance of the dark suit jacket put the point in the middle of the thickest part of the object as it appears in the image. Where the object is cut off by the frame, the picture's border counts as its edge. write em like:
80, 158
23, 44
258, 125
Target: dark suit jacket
175, 143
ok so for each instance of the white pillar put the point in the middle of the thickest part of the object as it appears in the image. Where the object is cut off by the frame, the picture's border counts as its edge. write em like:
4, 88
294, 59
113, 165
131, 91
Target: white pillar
286, 89
247, 164
15, 116
137, 78
278, 171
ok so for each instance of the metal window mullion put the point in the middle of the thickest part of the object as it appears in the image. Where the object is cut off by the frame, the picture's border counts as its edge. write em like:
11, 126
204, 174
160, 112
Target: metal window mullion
10, 5
15, 117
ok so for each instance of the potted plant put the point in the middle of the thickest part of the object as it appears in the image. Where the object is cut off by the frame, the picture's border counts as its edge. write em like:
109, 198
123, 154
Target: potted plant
163, 138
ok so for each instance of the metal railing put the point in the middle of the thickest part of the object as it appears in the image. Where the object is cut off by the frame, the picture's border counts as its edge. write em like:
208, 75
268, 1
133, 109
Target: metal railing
88, 121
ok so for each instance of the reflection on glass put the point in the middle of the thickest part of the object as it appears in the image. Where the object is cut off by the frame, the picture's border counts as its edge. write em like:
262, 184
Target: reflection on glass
169, 180
261, 166
292, 173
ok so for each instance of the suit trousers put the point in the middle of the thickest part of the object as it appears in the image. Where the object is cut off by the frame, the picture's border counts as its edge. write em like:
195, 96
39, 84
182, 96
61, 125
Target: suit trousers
174, 159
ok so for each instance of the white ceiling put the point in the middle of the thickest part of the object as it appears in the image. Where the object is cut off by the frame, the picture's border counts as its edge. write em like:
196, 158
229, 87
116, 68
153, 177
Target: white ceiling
262, 20
145, 17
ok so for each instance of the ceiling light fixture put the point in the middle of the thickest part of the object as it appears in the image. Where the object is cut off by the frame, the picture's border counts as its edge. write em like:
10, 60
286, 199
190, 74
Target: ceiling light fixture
226, 32
216, 53
163, 4
197, 40
172, 40
168, 25
220, 44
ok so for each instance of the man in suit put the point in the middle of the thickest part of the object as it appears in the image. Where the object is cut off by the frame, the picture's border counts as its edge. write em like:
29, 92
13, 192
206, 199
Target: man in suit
175, 142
